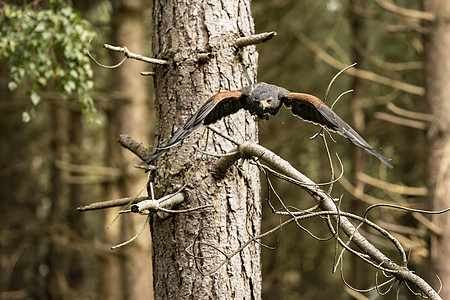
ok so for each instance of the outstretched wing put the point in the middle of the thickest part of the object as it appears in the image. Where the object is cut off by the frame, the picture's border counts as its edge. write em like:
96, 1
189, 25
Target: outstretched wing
312, 109
218, 106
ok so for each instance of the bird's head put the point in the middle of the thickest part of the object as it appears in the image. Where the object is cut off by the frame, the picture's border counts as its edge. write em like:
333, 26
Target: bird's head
263, 100
262, 112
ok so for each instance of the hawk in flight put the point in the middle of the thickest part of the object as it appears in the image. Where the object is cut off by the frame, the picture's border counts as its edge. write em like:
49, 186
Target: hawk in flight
263, 100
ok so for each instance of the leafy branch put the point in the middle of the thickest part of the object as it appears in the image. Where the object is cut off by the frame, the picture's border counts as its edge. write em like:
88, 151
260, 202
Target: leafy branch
44, 48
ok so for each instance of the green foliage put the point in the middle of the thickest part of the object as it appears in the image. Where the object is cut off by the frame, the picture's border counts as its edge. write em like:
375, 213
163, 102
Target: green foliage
47, 47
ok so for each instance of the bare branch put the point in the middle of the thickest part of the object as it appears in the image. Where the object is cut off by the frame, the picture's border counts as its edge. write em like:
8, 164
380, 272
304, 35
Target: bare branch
102, 65
234, 141
428, 224
410, 114
332, 80
390, 187
155, 205
129, 54
88, 169
148, 73
134, 237
255, 39
388, 66
205, 56
111, 203
371, 254
401, 121
400, 85
137, 148
358, 193
404, 12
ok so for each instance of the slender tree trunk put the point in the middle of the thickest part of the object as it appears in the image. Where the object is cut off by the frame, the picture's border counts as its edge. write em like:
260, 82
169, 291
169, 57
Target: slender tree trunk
359, 267
130, 115
437, 79
182, 29
133, 118
55, 257
76, 270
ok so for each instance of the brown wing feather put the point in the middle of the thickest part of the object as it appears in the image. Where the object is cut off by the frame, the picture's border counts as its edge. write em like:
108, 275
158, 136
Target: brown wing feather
218, 106
307, 107
312, 109
228, 105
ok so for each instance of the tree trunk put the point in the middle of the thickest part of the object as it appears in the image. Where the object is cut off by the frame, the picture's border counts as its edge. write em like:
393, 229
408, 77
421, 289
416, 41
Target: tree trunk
359, 267
437, 78
182, 29
130, 114
55, 256
76, 134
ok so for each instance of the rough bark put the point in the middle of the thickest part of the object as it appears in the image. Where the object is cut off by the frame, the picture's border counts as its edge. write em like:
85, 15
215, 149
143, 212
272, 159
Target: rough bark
437, 78
182, 29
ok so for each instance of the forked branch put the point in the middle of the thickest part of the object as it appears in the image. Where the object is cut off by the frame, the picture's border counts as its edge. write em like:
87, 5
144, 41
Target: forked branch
326, 204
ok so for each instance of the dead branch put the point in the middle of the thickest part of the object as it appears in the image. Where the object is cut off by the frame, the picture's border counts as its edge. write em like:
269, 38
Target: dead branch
401, 121
111, 203
358, 193
390, 187
428, 224
155, 205
129, 54
129, 241
409, 28
88, 169
255, 39
148, 73
404, 12
411, 114
369, 253
400, 85
205, 56
327, 204
303, 216
137, 148
385, 65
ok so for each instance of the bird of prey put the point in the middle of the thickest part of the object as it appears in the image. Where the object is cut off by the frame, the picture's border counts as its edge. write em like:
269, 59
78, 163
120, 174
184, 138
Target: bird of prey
264, 100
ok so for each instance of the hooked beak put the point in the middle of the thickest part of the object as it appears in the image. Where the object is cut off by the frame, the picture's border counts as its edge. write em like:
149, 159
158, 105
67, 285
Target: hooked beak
264, 104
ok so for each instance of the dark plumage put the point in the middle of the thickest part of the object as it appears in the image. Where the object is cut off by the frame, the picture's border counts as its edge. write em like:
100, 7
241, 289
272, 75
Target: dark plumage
263, 100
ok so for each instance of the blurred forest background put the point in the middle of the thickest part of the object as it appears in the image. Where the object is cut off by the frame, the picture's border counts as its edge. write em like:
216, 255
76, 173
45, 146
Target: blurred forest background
61, 159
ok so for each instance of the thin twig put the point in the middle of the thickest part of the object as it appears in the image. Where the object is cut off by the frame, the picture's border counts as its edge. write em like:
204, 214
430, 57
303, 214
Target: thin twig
102, 65
298, 183
340, 96
223, 135
370, 253
134, 237
334, 78
111, 203
129, 54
